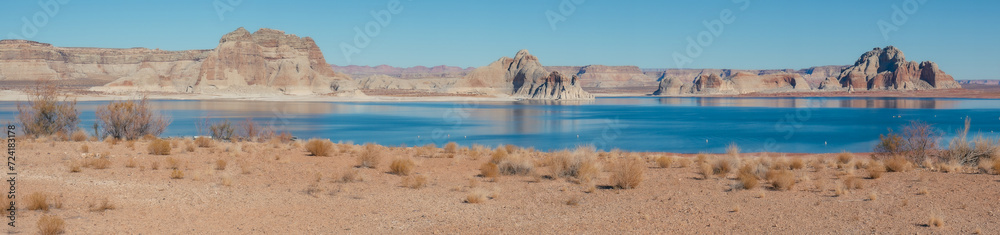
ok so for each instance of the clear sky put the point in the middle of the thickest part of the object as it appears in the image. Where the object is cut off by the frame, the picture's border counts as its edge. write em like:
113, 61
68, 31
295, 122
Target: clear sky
961, 36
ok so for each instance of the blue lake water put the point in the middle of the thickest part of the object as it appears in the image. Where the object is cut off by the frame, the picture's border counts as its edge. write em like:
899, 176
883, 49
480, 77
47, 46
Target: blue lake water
682, 125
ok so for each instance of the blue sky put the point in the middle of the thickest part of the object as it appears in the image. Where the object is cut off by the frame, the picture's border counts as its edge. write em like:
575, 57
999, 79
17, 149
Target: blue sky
961, 36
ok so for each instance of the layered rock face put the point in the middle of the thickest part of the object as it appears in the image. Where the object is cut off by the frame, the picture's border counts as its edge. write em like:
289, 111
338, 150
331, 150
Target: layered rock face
267, 61
522, 77
739, 83
415, 72
602, 76
887, 69
29, 61
813, 75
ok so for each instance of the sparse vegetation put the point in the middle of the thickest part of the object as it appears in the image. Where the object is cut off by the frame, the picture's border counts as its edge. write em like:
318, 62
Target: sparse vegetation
876, 169
664, 161
79, 135
845, 157
511, 164
489, 170
781, 180
45, 114
102, 206
476, 196
177, 174
898, 164
51, 224
402, 166
319, 147
38, 201
220, 165
351, 176
370, 156
970, 153
204, 142
130, 119
159, 147
628, 173
935, 221
746, 177
580, 164
415, 181
705, 170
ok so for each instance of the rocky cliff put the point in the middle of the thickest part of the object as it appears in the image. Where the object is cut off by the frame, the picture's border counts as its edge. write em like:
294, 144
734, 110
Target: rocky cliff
267, 61
522, 77
739, 83
887, 69
415, 72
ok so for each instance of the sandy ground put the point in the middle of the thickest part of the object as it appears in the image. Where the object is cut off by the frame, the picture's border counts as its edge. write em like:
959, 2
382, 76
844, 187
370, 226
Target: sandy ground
279, 188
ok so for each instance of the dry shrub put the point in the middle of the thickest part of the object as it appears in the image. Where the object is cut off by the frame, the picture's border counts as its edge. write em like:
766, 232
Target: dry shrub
204, 142
512, 164
38, 201
250, 130
684, 162
872, 196
628, 173
582, 164
797, 163
876, 169
319, 147
701, 158
159, 147
476, 196
220, 164
969, 153
130, 119
898, 164
746, 177
922, 191
351, 176
573, 201
51, 224
80, 135
99, 163
489, 170
664, 161
781, 180
44, 114
705, 170
414, 182
402, 166
853, 182
845, 157
996, 166
84, 148
104, 205
451, 148
370, 156
935, 221
177, 174
723, 166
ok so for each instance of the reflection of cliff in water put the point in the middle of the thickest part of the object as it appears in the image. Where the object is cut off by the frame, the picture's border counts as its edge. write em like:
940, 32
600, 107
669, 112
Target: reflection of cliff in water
891, 103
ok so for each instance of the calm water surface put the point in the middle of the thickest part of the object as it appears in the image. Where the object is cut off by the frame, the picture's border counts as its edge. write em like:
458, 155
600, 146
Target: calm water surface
685, 125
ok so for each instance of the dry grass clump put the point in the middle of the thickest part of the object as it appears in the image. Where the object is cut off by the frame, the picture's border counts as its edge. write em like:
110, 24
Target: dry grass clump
512, 164
705, 170
370, 156
872, 196
177, 174
876, 169
898, 164
414, 182
38, 201
79, 135
351, 176
996, 166
159, 147
104, 205
476, 196
628, 173
489, 170
582, 164
797, 163
935, 221
84, 148
99, 163
220, 164
723, 166
664, 161
319, 148
172, 163
746, 177
781, 180
51, 224
853, 182
845, 157
451, 148
204, 142
683, 162
402, 166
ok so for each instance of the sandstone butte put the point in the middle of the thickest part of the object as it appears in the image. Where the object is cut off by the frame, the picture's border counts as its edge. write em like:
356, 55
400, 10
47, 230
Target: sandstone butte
879, 69
522, 77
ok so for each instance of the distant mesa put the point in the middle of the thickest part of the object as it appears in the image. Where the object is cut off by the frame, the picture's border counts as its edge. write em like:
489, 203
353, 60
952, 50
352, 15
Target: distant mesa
739, 83
522, 77
887, 69
265, 62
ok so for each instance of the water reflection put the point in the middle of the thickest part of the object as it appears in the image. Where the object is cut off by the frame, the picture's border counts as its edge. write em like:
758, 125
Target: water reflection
891, 103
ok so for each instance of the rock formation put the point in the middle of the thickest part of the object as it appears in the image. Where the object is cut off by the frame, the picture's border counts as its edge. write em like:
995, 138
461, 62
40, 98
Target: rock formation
416, 72
887, 69
522, 77
267, 61
739, 83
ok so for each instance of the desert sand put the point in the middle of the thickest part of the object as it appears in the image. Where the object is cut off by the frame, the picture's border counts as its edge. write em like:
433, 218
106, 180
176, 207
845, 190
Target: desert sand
279, 187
